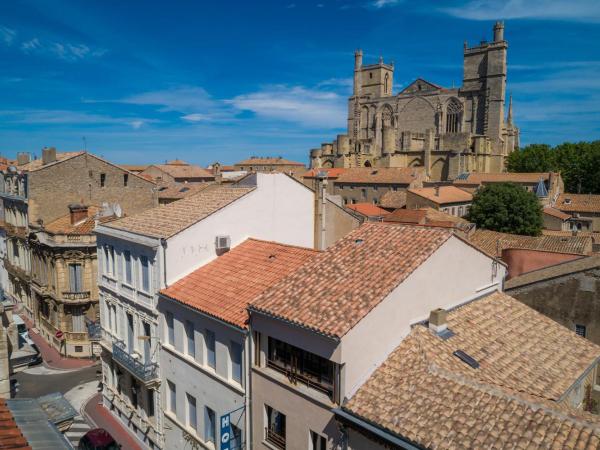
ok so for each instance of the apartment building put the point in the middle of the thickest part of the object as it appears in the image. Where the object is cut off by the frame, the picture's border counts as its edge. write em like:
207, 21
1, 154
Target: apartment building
319, 334
583, 209
492, 373
148, 252
37, 192
270, 164
449, 199
177, 171
64, 280
205, 343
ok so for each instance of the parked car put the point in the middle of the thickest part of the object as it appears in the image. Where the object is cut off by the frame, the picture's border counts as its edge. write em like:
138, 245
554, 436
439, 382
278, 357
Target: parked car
98, 439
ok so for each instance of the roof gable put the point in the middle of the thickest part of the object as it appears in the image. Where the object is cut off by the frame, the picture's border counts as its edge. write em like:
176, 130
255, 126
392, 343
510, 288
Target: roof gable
420, 85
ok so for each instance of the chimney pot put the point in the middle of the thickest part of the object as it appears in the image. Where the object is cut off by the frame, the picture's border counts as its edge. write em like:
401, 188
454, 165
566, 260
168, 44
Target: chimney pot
437, 191
48, 155
437, 320
78, 212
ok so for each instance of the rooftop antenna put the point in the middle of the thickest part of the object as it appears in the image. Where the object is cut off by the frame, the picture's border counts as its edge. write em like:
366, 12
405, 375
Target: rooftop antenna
84, 144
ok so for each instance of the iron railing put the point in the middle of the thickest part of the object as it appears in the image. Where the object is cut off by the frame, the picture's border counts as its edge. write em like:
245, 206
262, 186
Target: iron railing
274, 438
144, 371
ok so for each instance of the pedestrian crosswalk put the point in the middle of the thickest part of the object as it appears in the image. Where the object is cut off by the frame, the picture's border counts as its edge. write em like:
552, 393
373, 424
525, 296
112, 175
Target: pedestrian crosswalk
77, 430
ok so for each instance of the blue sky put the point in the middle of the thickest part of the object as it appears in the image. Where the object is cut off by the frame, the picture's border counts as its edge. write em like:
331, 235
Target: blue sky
146, 81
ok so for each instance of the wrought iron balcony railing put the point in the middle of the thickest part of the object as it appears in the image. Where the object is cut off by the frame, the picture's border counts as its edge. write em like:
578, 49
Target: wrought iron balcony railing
144, 371
83, 295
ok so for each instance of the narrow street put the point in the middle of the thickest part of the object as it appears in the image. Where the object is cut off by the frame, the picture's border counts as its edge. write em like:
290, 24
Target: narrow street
37, 381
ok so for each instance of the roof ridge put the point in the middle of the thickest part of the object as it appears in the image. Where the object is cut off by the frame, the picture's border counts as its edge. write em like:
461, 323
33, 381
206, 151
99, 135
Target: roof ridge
282, 244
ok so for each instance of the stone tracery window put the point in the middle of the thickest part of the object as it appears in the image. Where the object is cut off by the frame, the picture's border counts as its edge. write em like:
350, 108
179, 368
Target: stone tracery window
453, 116
386, 88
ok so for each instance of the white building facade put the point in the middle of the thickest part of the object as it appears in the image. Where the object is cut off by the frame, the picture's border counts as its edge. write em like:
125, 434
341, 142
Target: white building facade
137, 259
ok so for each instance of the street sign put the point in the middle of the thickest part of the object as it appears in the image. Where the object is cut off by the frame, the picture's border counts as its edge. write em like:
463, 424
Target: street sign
225, 431
59, 334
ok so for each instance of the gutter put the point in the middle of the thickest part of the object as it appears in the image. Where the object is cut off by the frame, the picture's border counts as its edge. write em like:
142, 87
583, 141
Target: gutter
392, 439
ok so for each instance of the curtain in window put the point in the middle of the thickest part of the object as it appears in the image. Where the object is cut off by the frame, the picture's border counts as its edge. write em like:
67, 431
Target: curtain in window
75, 278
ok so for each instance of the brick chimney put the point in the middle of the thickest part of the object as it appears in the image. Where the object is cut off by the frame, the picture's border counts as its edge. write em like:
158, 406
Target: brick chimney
437, 320
48, 155
78, 213
23, 158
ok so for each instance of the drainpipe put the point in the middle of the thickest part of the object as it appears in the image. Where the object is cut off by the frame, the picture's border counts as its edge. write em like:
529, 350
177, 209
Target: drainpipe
163, 243
247, 352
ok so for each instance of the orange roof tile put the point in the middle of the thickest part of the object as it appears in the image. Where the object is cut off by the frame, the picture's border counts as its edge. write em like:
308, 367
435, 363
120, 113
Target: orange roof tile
443, 195
11, 436
334, 291
367, 209
167, 220
269, 162
174, 191
582, 203
427, 216
493, 242
393, 199
556, 213
377, 175
37, 164
332, 172
184, 170
224, 287
527, 363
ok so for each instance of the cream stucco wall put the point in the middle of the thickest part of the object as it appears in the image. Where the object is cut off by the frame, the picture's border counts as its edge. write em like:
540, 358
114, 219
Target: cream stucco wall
279, 209
454, 274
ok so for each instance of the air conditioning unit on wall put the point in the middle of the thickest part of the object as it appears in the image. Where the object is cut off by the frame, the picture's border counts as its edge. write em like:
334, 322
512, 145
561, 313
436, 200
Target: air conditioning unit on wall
222, 243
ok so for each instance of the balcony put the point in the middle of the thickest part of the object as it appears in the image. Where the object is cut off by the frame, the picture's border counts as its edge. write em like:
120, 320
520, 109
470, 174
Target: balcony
274, 438
15, 270
76, 296
12, 230
144, 371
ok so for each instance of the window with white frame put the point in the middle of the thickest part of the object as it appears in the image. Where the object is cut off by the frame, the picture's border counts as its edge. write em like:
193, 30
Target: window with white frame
171, 397
211, 358
127, 269
75, 278
145, 273
170, 328
190, 342
191, 416
236, 362
209, 425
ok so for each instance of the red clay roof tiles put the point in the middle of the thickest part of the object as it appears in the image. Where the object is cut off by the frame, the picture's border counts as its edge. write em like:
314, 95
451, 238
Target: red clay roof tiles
224, 287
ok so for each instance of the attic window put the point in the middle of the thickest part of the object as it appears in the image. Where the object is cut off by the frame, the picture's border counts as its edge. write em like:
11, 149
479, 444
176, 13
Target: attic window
374, 172
184, 189
359, 241
567, 201
466, 358
163, 188
419, 86
370, 74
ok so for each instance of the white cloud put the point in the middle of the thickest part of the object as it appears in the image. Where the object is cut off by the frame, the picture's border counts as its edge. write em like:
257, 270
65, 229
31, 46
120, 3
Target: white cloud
7, 35
196, 117
378, 4
578, 10
68, 117
185, 99
307, 107
136, 124
30, 45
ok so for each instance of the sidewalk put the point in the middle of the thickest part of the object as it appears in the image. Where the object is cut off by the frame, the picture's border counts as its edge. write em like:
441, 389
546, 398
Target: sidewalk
102, 418
51, 357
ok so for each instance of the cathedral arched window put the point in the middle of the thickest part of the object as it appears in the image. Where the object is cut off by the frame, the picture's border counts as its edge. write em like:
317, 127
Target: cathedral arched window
386, 87
453, 116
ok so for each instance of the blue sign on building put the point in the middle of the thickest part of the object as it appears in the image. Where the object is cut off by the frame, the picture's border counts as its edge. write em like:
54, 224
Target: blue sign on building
225, 431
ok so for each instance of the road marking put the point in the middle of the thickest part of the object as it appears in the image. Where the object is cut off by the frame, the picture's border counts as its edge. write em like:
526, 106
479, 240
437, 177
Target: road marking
77, 430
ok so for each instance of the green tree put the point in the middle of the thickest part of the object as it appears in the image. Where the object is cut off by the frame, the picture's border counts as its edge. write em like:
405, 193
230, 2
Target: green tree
533, 158
508, 208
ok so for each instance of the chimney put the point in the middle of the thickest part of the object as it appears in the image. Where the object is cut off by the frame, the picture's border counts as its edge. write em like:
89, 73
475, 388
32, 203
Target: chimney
437, 191
320, 204
78, 212
23, 158
437, 320
48, 155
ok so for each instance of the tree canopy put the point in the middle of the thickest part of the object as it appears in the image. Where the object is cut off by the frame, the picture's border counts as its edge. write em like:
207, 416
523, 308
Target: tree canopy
578, 163
508, 208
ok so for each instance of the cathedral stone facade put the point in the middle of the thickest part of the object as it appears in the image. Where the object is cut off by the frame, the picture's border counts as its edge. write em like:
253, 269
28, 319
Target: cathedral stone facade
448, 131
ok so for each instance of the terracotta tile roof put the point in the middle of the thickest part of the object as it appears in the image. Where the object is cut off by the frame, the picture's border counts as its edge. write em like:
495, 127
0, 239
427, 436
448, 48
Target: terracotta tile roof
11, 436
428, 216
178, 162
426, 395
595, 235
185, 171
479, 178
37, 164
134, 167
332, 172
269, 162
493, 242
63, 225
367, 209
558, 270
445, 194
556, 213
175, 191
578, 203
167, 220
335, 290
375, 175
224, 287
393, 199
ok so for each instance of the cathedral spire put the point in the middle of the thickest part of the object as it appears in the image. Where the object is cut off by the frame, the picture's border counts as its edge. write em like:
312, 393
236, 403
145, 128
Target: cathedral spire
509, 121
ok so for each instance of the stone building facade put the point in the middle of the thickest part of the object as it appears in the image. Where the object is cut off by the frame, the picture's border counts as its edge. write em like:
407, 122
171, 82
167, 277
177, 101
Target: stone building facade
35, 195
446, 130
